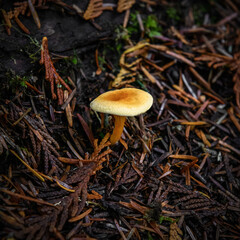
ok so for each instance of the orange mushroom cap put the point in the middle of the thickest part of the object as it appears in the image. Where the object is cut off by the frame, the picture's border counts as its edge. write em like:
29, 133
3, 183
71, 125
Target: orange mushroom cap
123, 102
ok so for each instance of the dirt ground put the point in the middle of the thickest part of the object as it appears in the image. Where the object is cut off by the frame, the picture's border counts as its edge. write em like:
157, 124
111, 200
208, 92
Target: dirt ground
67, 34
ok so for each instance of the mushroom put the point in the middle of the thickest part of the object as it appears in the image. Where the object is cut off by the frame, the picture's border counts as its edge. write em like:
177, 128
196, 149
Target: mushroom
121, 104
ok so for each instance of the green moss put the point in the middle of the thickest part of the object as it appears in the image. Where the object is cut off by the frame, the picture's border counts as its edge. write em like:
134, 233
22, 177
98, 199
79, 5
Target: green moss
17, 82
133, 23
199, 11
152, 28
198, 14
173, 14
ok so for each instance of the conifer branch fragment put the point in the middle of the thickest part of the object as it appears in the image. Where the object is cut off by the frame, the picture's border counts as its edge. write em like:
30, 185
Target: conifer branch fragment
124, 5
51, 74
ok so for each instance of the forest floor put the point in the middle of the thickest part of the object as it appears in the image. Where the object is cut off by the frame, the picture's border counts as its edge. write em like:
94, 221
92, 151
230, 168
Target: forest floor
175, 172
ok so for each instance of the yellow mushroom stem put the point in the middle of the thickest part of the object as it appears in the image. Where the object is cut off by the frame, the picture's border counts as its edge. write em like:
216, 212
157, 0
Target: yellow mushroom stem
118, 128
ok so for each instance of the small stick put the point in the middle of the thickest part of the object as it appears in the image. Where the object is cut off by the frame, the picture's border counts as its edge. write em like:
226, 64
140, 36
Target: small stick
126, 18
188, 86
17, 195
68, 99
34, 14
22, 116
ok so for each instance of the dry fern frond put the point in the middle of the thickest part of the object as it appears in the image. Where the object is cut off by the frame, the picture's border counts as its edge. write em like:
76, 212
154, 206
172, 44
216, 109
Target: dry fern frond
67, 204
21, 8
94, 9
175, 232
51, 74
150, 2
43, 147
26, 8
124, 5
8, 16
217, 60
82, 176
3, 144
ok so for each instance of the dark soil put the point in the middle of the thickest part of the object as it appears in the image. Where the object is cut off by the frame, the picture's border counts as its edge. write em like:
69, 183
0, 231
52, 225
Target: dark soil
68, 34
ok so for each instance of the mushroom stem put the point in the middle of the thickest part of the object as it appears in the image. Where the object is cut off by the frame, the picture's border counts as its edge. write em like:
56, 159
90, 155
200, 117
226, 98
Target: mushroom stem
118, 128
